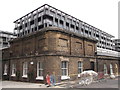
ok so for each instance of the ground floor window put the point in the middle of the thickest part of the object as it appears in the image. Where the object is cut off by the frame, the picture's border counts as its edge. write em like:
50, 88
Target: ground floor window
80, 67
25, 69
105, 69
116, 68
13, 69
5, 69
39, 69
92, 65
64, 67
111, 69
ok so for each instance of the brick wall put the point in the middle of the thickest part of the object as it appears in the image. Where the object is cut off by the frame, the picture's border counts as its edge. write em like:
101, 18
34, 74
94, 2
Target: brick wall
51, 48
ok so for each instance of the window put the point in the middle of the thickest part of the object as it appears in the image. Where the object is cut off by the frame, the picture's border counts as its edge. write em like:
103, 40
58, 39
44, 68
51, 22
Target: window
25, 24
32, 22
41, 43
105, 69
72, 26
39, 69
20, 27
90, 51
61, 22
39, 19
5, 69
13, 70
80, 67
27, 48
64, 67
63, 45
111, 69
116, 68
25, 69
78, 45
63, 42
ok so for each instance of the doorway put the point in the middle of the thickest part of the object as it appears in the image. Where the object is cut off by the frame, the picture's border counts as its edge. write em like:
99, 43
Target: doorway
92, 66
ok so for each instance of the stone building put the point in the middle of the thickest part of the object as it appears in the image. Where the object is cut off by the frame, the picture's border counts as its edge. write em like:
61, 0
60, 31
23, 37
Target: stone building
53, 50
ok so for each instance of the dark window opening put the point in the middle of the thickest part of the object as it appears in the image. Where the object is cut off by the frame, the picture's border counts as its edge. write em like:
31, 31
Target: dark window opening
32, 22
50, 25
97, 35
35, 28
25, 32
72, 26
18, 35
45, 24
28, 31
4, 38
32, 29
56, 20
61, 22
90, 33
48, 17
39, 19
25, 24
86, 31
77, 28
67, 24
40, 26
20, 27
22, 33
82, 29
92, 66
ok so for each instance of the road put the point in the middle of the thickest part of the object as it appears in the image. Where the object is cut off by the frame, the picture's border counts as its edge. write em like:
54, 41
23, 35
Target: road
110, 83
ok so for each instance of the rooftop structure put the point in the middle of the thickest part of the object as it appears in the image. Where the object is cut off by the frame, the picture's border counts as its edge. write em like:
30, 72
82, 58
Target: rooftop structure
117, 44
5, 37
47, 16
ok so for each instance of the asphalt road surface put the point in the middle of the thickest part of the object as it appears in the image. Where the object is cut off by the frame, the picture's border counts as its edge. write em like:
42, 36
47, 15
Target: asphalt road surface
110, 83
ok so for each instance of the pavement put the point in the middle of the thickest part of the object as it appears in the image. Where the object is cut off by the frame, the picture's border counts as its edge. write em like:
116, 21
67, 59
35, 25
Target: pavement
110, 83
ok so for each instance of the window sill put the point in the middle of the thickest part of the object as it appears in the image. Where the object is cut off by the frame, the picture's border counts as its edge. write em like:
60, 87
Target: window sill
13, 75
5, 74
24, 76
105, 74
78, 75
65, 77
40, 78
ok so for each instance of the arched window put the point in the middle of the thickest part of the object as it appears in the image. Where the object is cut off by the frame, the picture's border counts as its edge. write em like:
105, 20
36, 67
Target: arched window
105, 70
116, 68
25, 69
111, 69
80, 67
64, 67
5, 69
13, 69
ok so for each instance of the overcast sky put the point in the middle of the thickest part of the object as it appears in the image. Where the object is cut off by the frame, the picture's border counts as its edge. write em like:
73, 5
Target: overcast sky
102, 14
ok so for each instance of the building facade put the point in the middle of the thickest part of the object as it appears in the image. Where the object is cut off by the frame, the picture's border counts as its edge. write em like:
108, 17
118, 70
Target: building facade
117, 44
5, 37
55, 51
